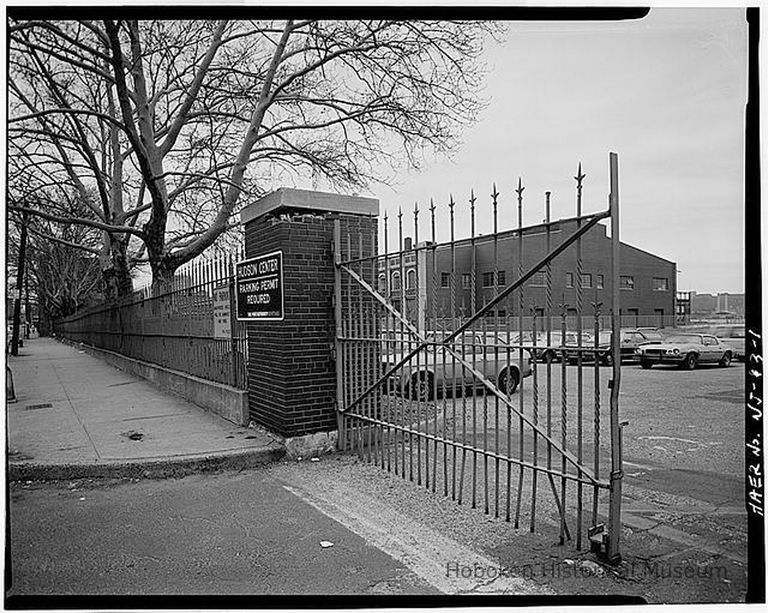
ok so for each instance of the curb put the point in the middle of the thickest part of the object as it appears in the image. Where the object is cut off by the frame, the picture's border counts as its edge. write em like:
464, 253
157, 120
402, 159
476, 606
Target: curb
154, 468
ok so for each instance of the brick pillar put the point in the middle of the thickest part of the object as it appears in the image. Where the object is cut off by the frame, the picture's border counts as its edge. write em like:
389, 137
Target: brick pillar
291, 371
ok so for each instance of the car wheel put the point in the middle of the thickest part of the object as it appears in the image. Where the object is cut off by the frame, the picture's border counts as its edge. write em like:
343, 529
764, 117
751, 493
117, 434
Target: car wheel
508, 380
423, 386
548, 356
645, 364
725, 362
690, 361
607, 360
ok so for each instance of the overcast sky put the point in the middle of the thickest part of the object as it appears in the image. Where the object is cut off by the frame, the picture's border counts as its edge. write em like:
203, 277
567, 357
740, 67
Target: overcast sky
666, 93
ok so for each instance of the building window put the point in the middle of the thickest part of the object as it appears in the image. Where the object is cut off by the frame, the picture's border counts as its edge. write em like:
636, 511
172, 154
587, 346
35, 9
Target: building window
569, 279
382, 282
410, 277
626, 282
445, 279
539, 279
502, 313
502, 277
660, 284
487, 279
586, 280
395, 284
466, 280
600, 281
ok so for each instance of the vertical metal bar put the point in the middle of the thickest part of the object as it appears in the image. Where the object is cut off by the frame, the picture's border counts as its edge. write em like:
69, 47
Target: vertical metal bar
352, 352
339, 332
422, 403
521, 431
433, 350
535, 377
508, 412
596, 435
614, 511
563, 415
476, 388
402, 332
579, 407
391, 347
548, 324
454, 386
365, 366
495, 196
473, 285
376, 347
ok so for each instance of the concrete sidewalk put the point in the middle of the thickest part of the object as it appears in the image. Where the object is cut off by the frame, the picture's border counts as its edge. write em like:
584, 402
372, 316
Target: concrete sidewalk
76, 416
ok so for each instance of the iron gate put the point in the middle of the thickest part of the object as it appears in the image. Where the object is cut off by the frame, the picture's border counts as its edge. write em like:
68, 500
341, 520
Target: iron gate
468, 385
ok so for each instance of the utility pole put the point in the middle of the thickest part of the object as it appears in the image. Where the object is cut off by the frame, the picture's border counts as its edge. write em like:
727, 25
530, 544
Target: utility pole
19, 284
27, 308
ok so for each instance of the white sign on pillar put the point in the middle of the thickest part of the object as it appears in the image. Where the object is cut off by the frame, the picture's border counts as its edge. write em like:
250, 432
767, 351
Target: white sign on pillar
222, 313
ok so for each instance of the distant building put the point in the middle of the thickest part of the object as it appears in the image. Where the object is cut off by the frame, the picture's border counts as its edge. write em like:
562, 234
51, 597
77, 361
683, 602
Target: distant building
716, 306
647, 282
683, 306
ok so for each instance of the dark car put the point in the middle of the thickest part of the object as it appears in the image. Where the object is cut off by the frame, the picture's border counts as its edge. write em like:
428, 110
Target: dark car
632, 339
588, 350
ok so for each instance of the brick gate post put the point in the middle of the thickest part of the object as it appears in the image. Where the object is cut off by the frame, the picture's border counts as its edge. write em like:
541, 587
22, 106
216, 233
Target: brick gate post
291, 371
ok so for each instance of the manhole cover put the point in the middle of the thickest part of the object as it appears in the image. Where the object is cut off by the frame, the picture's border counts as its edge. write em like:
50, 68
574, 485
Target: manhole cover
44, 405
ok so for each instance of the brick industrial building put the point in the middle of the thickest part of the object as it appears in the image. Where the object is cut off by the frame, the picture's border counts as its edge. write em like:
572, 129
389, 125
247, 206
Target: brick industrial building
648, 282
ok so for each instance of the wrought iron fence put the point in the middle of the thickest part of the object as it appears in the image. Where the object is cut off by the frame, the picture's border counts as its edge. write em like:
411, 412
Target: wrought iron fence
186, 324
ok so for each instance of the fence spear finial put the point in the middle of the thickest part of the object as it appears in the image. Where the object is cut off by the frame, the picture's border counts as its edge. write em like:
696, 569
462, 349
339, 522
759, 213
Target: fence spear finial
579, 176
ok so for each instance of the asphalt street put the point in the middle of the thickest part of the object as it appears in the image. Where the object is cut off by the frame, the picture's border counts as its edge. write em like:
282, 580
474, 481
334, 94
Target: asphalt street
223, 534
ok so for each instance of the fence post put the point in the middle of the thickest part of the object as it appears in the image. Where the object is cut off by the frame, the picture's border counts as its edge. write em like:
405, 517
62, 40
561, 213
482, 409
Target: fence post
614, 504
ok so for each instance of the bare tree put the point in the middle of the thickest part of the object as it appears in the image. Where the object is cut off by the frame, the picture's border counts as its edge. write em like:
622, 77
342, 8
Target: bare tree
196, 118
62, 263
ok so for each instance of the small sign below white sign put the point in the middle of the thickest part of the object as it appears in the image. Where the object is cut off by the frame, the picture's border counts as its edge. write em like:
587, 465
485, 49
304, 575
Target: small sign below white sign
222, 313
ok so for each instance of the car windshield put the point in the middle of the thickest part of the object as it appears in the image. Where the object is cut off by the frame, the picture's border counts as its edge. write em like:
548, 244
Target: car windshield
684, 338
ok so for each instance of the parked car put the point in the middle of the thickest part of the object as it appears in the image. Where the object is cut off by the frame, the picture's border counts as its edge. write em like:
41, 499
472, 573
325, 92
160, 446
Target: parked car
734, 336
552, 351
488, 352
632, 339
687, 351
604, 356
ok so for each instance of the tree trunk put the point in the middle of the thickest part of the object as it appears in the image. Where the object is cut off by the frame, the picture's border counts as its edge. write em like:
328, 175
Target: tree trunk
123, 280
163, 269
115, 271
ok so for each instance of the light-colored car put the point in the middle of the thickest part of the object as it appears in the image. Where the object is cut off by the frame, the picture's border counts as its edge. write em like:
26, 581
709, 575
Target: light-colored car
435, 367
733, 335
687, 351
